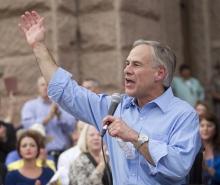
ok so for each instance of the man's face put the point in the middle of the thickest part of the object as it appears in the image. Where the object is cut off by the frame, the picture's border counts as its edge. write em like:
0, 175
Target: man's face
42, 87
140, 72
186, 73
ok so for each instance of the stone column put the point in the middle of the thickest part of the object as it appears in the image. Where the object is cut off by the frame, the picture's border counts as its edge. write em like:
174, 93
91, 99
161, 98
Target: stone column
199, 25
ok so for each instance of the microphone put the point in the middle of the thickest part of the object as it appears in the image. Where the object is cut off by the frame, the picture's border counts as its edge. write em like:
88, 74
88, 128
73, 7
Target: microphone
115, 100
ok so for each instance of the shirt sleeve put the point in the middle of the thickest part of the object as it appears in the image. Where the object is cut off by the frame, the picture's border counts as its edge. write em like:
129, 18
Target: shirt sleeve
76, 100
173, 159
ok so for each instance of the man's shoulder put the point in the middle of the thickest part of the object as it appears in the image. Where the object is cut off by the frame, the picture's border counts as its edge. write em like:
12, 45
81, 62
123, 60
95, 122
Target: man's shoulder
181, 105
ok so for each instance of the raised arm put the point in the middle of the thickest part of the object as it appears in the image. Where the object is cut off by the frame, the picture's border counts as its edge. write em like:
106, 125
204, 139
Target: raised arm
31, 23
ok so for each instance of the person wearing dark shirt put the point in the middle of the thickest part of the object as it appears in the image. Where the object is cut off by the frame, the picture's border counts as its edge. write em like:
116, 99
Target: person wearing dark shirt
28, 147
2, 173
7, 140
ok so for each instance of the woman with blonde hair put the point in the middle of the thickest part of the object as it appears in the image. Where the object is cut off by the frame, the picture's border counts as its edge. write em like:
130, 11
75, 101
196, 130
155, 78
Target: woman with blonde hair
89, 168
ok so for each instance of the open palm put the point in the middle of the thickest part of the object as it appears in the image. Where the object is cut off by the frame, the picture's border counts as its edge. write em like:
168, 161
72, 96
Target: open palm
31, 24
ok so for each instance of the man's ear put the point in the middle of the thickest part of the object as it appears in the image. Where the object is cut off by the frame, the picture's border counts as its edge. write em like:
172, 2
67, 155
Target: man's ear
160, 74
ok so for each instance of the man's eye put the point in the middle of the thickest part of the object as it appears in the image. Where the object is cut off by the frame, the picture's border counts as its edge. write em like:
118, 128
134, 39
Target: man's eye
126, 63
136, 64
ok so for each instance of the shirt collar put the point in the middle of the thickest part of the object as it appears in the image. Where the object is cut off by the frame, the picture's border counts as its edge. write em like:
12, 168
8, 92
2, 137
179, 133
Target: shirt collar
162, 101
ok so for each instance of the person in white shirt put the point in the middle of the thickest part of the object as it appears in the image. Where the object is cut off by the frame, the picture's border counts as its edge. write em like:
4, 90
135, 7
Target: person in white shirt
69, 155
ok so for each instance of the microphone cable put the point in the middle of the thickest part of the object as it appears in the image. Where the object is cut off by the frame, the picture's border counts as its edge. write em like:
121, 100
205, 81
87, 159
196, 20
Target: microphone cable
107, 168
115, 100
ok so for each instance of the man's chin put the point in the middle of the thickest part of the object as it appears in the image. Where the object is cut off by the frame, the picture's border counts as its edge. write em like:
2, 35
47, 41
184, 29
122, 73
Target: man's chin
130, 93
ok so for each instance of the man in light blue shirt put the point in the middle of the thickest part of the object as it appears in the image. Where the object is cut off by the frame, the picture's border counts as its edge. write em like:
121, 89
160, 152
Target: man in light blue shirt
160, 131
58, 123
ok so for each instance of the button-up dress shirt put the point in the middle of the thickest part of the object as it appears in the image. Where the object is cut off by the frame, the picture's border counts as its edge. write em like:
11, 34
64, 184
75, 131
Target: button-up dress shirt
170, 123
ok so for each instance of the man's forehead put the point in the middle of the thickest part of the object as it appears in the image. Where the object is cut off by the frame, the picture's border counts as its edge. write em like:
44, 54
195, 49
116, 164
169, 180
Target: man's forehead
140, 51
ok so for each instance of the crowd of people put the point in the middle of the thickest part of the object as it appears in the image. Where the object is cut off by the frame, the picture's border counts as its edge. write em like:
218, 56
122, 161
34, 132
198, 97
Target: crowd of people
160, 119
46, 124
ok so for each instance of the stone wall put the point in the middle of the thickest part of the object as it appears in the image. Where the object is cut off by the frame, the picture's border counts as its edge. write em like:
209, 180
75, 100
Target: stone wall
91, 38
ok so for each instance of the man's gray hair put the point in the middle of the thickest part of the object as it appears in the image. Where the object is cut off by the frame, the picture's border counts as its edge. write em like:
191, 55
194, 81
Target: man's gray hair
162, 55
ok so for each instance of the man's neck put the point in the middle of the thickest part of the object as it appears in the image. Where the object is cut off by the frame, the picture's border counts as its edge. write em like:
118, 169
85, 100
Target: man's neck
151, 96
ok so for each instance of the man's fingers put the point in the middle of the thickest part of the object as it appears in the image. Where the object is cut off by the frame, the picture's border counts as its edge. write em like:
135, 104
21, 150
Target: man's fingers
108, 120
30, 18
41, 21
24, 22
35, 15
113, 132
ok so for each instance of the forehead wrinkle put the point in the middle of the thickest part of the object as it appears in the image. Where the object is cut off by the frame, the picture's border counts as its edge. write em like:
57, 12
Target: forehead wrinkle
141, 53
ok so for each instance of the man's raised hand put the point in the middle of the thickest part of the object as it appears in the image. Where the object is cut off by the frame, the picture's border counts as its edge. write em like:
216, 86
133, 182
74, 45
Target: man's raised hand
31, 23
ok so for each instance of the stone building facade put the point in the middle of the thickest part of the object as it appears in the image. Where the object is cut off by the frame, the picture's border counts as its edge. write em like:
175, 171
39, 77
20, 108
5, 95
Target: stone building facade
91, 38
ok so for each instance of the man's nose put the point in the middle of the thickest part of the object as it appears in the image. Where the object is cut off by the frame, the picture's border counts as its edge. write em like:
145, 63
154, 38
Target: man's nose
128, 69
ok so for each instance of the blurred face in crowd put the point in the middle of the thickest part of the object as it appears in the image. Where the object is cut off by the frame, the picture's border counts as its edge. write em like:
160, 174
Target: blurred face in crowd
93, 140
207, 130
141, 73
201, 110
185, 73
42, 87
28, 148
2, 133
